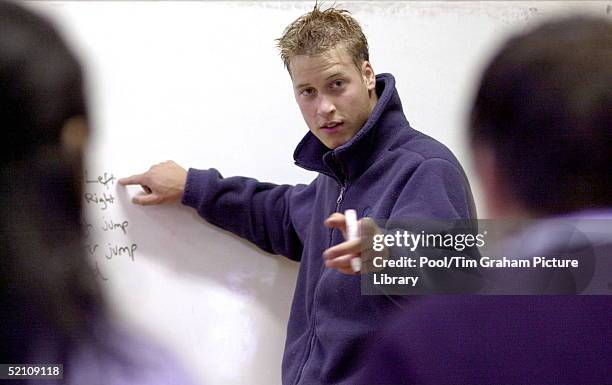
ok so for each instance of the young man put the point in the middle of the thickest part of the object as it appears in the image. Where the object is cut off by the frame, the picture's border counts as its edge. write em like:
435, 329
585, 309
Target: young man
541, 134
368, 158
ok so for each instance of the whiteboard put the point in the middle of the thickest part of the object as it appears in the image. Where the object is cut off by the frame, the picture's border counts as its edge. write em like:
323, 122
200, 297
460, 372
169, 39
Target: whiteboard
202, 83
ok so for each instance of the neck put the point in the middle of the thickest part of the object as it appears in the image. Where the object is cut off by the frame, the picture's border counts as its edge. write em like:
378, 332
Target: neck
373, 99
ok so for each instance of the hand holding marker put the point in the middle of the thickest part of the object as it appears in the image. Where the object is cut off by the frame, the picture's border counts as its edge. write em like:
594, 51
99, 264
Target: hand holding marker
352, 232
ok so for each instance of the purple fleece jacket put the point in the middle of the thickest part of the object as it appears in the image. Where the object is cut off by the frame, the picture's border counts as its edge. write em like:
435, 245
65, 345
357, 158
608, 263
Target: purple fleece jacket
388, 170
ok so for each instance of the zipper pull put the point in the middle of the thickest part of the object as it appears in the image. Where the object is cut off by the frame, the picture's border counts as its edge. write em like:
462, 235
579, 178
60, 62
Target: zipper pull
339, 200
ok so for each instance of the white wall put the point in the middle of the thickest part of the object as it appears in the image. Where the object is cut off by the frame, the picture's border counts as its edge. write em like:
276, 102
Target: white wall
202, 83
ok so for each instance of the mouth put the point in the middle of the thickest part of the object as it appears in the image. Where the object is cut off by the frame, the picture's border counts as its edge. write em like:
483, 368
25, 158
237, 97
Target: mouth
331, 127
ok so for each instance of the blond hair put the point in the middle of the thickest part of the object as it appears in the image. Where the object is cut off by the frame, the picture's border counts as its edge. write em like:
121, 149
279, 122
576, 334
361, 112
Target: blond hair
320, 30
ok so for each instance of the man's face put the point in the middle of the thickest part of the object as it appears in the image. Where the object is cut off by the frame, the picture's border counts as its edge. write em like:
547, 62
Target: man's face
335, 97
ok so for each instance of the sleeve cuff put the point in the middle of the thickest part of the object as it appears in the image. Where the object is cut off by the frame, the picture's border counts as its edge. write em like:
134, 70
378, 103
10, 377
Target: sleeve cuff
195, 186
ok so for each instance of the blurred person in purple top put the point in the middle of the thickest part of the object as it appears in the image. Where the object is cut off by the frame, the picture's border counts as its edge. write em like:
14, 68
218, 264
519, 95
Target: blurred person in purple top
53, 310
541, 133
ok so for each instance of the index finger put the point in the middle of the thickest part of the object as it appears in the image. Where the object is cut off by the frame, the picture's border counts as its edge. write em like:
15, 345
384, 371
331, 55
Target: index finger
336, 220
130, 180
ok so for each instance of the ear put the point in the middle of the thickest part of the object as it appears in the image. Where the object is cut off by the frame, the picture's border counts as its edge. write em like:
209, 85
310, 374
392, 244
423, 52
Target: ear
74, 135
369, 77
499, 200
485, 165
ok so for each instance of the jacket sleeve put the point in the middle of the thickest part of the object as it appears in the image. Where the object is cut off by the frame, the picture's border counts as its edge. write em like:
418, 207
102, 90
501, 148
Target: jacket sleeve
264, 213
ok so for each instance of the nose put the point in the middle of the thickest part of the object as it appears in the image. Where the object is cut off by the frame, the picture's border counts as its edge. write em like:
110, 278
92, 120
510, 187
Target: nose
325, 106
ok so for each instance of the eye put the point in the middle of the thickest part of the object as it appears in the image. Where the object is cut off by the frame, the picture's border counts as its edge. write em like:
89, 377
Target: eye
307, 92
338, 83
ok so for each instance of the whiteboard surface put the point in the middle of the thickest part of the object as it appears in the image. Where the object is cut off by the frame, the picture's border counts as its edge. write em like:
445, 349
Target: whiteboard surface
202, 83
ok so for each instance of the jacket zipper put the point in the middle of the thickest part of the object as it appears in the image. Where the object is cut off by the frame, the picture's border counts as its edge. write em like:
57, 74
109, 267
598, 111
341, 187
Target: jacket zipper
340, 197
312, 337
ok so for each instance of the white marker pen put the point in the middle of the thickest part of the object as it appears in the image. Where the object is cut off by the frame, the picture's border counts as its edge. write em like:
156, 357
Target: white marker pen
352, 232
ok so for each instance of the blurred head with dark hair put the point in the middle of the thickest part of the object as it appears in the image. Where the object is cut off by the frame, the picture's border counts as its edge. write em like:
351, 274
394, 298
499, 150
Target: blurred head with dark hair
48, 290
541, 124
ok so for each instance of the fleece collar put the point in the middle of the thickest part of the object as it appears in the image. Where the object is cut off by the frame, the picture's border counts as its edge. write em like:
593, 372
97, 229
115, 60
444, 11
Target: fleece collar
350, 160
